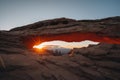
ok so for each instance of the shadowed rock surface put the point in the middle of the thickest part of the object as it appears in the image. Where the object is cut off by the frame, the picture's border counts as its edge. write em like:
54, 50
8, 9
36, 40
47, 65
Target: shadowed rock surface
108, 27
100, 62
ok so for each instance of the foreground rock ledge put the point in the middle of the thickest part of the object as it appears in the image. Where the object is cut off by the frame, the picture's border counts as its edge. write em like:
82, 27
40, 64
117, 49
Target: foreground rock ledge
101, 62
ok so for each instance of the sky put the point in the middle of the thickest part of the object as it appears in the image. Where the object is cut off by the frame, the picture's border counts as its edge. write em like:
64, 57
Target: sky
15, 13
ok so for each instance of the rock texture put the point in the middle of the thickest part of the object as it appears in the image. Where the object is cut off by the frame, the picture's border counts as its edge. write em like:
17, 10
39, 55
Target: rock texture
108, 27
102, 30
100, 62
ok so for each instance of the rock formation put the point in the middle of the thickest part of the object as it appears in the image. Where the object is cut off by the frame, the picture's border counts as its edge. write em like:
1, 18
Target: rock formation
102, 30
100, 62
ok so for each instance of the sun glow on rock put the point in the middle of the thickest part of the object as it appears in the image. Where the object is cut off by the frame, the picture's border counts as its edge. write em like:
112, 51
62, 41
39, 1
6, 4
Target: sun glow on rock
30, 41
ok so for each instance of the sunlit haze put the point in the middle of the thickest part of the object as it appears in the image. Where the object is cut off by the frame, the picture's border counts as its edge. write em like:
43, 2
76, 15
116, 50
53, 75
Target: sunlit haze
66, 44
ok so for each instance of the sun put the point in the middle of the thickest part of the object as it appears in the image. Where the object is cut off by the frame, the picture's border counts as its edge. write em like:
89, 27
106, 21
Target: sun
39, 46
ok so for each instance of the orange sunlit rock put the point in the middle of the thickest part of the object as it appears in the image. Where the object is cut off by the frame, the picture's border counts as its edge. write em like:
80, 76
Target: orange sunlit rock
30, 41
